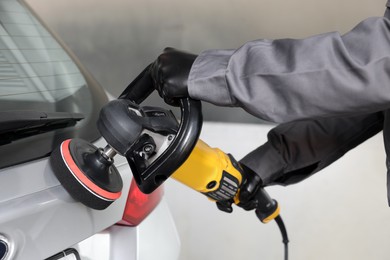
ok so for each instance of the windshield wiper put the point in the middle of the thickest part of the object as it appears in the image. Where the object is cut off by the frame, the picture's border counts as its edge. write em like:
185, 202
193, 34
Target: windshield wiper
16, 125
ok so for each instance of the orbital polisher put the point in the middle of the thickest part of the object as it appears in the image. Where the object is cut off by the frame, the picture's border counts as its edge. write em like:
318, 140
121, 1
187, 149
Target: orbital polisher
150, 138
156, 146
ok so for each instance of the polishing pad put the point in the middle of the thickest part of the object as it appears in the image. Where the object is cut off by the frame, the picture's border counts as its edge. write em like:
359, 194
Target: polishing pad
88, 176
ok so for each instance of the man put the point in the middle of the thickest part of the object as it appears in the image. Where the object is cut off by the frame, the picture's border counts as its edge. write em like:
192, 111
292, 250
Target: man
330, 92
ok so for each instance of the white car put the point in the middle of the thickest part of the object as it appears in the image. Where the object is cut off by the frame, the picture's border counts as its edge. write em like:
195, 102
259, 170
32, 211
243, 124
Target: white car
42, 88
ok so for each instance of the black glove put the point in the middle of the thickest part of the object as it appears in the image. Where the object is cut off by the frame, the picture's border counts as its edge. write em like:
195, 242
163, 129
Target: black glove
249, 189
170, 74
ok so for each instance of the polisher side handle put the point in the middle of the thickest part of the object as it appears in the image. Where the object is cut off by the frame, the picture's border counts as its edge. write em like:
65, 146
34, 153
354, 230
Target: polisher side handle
178, 151
140, 88
149, 177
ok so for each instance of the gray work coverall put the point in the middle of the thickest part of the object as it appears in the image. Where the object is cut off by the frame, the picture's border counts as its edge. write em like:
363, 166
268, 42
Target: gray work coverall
329, 92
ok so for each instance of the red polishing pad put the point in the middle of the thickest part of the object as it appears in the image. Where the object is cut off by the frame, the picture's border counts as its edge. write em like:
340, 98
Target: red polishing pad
85, 174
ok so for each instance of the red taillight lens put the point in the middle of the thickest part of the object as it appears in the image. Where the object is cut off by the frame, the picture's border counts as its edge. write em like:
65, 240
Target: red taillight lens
139, 205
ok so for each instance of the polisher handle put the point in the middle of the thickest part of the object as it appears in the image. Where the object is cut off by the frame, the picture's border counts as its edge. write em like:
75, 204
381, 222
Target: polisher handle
140, 88
182, 145
177, 152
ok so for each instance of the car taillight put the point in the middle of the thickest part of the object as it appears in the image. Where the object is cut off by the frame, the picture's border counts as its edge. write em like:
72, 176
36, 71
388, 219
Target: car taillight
139, 204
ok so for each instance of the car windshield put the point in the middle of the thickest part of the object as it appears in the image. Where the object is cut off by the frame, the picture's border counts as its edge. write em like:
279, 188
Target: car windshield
38, 74
35, 71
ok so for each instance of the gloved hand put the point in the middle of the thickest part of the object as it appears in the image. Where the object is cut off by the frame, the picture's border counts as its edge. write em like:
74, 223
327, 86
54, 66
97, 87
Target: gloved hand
170, 74
254, 196
249, 189
248, 196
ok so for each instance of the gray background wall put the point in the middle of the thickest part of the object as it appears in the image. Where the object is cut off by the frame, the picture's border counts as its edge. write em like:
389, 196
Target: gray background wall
326, 219
116, 39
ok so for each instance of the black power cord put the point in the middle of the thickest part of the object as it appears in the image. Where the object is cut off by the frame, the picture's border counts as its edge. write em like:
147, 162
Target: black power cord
283, 231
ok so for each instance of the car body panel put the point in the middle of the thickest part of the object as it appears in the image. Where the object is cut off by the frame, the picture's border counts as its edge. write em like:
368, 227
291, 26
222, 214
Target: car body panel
155, 238
40, 218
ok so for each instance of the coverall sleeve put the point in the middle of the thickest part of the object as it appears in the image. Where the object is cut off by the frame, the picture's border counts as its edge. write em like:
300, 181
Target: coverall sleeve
296, 150
290, 79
